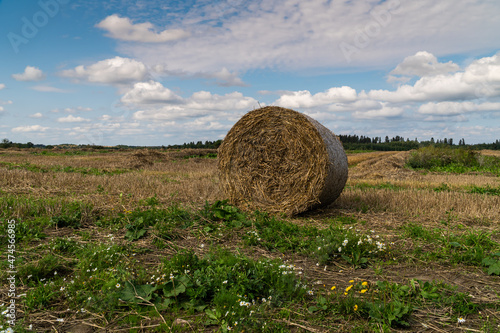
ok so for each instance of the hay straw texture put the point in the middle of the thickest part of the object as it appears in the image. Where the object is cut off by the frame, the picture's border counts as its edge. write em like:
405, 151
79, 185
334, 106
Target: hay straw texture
280, 160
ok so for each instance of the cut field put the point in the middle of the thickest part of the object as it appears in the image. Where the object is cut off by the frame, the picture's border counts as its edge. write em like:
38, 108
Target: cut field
142, 241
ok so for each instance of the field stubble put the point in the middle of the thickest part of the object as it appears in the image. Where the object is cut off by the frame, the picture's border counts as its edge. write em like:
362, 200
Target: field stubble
380, 193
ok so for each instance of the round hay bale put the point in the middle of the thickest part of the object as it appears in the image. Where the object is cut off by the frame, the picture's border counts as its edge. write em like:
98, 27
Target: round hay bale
280, 160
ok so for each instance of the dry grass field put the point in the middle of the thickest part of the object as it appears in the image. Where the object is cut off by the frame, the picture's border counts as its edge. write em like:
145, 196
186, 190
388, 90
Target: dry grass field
435, 230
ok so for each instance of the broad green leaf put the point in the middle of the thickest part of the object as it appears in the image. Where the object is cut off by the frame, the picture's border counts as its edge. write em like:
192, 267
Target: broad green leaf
131, 291
145, 291
312, 309
489, 261
174, 291
211, 314
128, 293
165, 304
494, 269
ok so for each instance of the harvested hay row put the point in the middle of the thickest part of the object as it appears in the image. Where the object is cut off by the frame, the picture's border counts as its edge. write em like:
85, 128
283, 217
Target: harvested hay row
280, 160
145, 157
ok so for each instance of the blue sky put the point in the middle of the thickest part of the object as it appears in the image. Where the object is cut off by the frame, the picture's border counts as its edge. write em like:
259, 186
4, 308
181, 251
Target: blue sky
166, 72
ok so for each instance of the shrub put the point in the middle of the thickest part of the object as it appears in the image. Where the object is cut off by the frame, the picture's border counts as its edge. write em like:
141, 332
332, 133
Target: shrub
431, 156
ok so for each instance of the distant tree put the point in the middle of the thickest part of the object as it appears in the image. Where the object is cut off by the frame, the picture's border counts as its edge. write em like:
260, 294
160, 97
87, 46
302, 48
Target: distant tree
6, 143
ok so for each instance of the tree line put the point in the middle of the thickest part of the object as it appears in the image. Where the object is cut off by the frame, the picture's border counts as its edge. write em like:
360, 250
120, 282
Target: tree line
350, 142
355, 142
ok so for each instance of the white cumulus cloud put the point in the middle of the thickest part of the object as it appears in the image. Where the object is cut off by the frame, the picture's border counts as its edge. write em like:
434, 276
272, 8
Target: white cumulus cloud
456, 108
30, 74
291, 34
224, 78
204, 100
304, 98
36, 115
122, 28
384, 112
439, 87
77, 109
32, 128
443, 81
72, 119
46, 88
443, 91
423, 64
484, 71
116, 70
2, 86
159, 103
150, 92
359, 105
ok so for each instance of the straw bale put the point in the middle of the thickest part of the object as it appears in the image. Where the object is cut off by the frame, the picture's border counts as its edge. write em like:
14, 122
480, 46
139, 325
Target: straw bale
280, 160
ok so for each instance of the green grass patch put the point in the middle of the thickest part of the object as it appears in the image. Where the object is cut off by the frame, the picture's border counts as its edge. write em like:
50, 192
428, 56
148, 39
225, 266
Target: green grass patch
335, 242
453, 160
208, 155
474, 248
59, 168
390, 304
484, 190
75, 152
123, 283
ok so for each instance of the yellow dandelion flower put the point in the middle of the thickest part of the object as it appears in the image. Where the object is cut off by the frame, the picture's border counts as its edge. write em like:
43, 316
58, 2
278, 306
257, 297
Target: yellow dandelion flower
351, 281
363, 291
333, 288
348, 288
364, 284
355, 307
